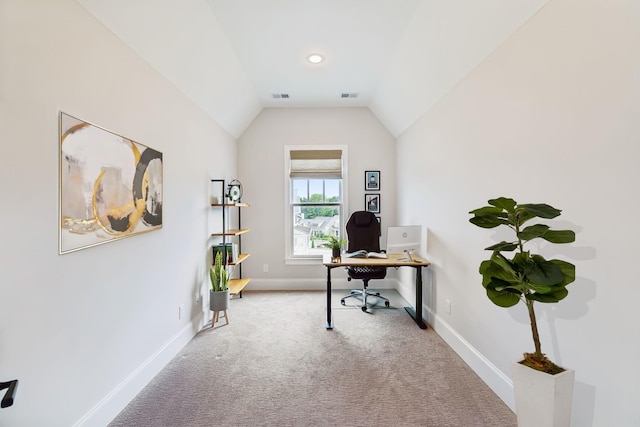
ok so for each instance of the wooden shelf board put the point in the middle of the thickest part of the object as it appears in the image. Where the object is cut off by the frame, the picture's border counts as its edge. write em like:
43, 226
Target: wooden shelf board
241, 257
237, 285
232, 205
234, 232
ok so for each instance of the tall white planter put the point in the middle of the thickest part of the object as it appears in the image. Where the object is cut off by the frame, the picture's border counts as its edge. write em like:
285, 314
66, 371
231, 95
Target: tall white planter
542, 400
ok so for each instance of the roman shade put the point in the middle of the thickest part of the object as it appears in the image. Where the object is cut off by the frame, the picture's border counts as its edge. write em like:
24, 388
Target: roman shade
315, 164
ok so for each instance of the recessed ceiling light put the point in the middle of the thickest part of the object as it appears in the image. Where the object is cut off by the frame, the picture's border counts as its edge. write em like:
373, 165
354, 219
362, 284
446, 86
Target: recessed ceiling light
315, 58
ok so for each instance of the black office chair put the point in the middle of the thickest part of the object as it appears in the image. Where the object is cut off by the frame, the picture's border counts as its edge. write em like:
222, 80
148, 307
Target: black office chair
363, 232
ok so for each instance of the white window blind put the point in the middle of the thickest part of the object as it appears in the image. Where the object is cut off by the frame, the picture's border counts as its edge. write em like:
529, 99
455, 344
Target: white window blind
320, 164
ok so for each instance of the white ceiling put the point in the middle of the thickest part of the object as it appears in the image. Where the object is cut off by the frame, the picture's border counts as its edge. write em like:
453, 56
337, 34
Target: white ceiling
231, 56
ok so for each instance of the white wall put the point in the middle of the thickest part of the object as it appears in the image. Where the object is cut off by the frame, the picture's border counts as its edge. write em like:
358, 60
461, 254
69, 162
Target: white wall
552, 117
261, 168
456, 35
200, 62
84, 331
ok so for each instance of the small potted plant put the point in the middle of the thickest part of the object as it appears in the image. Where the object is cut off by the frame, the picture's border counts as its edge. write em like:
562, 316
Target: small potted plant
219, 294
529, 277
335, 244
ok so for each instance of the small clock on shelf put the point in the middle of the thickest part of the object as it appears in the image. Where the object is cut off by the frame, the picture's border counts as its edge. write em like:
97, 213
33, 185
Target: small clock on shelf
234, 191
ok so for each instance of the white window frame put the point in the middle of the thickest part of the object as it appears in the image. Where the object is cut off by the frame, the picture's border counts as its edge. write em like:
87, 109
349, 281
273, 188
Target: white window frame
288, 220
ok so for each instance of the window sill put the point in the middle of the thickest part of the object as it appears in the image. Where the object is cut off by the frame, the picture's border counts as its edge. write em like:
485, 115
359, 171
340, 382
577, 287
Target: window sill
303, 261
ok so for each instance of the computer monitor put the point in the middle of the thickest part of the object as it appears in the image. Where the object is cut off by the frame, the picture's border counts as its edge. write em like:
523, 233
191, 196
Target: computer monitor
404, 239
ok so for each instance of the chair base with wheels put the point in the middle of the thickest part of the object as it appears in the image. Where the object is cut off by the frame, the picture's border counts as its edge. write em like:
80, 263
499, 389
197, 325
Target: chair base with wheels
365, 274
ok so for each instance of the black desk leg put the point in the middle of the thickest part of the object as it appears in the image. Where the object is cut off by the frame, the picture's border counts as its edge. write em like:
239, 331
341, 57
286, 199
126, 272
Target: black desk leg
329, 320
417, 313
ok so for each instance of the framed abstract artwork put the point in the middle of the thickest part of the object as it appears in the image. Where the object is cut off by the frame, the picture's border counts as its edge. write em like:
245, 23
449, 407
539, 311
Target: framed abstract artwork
372, 203
110, 186
372, 180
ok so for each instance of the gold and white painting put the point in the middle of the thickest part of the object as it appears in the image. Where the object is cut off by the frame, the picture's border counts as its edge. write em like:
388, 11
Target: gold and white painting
110, 186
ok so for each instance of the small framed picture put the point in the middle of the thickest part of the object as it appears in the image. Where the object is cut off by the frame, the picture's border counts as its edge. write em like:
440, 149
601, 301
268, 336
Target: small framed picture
372, 180
372, 203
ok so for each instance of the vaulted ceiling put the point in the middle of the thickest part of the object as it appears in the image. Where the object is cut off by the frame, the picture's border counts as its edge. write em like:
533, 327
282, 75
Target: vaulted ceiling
235, 57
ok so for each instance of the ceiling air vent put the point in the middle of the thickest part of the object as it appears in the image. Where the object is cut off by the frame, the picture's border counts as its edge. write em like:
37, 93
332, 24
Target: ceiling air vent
280, 95
348, 95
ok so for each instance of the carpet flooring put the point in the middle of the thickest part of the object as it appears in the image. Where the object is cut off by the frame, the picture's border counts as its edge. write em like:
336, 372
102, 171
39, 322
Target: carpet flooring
275, 364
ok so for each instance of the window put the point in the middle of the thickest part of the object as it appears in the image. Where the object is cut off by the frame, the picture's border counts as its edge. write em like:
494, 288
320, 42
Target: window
316, 198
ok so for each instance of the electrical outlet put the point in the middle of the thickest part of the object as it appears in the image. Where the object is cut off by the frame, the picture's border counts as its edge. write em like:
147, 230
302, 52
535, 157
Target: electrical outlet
198, 298
265, 268
180, 311
448, 302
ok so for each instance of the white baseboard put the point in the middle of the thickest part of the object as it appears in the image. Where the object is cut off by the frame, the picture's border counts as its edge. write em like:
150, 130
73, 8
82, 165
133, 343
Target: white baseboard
497, 381
114, 402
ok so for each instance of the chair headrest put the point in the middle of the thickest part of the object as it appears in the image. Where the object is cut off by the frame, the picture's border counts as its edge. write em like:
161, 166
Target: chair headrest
363, 218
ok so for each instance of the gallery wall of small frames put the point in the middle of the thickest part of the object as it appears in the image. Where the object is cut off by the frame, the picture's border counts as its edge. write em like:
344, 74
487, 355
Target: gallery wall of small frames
372, 199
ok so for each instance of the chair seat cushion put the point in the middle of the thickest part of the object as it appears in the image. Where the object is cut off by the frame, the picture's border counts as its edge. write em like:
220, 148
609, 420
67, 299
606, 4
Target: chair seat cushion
365, 272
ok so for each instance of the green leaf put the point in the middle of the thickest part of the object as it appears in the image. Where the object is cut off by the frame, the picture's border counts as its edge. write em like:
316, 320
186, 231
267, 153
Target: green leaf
501, 268
533, 231
521, 260
484, 266
487, 210
496, 276
488, 217
550, 297
559, 236
522, 215
504, 203
541, 210
540, 289
568, 270
486, 270
495, 283
543, 272
503, 246
557, 291
487, 221
212, 276
503, 298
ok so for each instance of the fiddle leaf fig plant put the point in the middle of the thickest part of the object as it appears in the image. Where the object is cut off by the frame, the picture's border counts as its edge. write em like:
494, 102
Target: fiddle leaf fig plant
524, 276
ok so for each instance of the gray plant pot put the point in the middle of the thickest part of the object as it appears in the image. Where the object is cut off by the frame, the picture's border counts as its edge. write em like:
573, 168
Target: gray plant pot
219, 301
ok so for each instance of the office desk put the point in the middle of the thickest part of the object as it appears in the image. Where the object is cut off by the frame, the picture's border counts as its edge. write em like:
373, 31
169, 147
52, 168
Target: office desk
394, 260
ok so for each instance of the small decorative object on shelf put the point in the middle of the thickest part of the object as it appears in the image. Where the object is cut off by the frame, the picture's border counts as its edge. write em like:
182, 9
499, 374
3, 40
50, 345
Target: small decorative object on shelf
234, 191
230, 251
